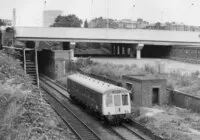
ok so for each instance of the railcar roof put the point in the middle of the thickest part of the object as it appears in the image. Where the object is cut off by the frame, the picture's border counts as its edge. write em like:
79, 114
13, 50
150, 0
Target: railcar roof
94, 84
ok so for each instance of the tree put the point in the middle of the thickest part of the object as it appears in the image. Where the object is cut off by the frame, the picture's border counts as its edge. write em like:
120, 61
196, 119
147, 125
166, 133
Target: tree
86, 24
102, 23
67, 21
2, 23
158, 25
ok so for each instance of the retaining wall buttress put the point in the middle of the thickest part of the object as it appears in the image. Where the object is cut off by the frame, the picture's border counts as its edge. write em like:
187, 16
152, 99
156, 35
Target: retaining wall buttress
53, 62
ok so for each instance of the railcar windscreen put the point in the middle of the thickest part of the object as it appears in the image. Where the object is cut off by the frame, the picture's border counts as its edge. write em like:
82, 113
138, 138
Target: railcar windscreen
124, 99
109, 101
117, 100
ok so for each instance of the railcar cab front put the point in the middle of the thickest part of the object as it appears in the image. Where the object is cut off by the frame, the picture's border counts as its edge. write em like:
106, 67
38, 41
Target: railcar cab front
116, 103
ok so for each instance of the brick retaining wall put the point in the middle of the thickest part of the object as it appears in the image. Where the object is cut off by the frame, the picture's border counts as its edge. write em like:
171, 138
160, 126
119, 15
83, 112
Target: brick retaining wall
183, 100
187, 54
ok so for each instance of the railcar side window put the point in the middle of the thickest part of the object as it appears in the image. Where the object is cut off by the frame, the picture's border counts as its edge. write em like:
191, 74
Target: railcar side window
124, 99
109, 101
117, 100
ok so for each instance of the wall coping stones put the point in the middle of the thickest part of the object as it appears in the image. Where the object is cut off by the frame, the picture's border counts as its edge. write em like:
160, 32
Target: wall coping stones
183, 93
143, 77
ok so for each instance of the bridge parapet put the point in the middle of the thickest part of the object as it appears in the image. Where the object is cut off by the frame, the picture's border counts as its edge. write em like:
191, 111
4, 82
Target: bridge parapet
144, 36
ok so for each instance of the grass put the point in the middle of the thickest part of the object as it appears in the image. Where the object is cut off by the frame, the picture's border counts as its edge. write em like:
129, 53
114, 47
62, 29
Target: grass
188, 83
24, 114
174, 123
177, 123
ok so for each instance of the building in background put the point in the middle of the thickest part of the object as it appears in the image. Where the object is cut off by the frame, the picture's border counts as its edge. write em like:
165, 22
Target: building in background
49, 17
127, 24
8, 22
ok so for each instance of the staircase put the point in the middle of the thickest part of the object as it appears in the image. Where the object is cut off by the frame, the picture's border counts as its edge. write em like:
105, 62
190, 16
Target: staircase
31, 65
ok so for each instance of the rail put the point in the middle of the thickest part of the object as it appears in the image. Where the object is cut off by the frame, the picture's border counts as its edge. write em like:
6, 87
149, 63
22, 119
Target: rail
77, 126
125, 134
136, 124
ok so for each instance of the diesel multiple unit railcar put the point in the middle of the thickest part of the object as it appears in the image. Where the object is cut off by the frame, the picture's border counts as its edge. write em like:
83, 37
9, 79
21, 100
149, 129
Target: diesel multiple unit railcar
110, 101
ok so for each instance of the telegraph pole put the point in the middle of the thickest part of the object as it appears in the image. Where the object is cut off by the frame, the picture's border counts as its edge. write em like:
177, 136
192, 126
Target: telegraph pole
133, 15
91, 9
14, 18
45, 3
107, 14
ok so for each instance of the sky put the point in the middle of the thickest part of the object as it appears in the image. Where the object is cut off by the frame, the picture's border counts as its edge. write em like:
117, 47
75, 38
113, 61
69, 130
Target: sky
29, 12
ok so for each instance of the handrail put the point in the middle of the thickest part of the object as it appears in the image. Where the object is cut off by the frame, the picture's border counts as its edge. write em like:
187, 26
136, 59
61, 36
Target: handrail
36, 66
12, 47
24, 54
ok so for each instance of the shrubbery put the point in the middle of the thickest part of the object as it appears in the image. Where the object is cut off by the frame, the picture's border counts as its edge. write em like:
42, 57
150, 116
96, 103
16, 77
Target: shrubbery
188, 83
23, 112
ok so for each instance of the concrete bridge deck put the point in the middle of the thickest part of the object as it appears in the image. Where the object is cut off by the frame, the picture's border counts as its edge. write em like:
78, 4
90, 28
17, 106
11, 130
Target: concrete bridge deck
134, 36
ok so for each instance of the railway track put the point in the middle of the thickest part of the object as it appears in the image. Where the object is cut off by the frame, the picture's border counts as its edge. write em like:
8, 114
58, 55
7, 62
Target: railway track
125, 133
81, 130
122, 132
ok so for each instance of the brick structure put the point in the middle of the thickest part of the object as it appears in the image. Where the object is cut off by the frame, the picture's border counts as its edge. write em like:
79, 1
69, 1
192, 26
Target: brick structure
190, 54
146, 90
53, 62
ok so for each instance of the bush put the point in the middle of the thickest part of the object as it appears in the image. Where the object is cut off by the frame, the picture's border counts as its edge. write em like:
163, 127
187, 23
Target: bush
23, 112
112, 71
149, 69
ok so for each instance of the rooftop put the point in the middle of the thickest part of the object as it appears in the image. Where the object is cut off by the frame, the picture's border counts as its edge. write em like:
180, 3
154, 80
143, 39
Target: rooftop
144, 77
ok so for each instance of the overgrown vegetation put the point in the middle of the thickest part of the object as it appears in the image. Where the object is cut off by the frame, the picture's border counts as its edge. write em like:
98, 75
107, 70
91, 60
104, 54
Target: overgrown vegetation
188, 83
24, 114
173, 123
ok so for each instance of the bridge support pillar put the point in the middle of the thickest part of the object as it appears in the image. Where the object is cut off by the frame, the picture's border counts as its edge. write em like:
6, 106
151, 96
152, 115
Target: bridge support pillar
139, 47
135, 50
120, 50
116, 49
72, 47
138, 54
126, 50
112, 49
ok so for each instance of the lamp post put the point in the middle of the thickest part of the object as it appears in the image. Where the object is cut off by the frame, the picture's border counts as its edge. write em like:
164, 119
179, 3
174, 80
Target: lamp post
91, 9
107, 14
45, 3
133, 15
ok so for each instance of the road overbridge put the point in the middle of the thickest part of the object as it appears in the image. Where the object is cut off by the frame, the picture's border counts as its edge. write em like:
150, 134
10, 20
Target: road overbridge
122, 41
